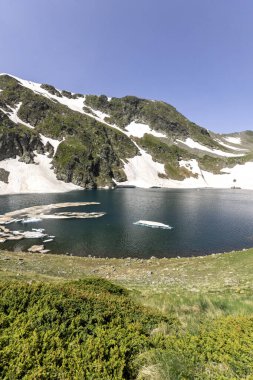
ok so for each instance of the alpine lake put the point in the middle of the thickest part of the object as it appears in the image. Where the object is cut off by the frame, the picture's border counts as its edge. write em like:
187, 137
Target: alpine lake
204, 221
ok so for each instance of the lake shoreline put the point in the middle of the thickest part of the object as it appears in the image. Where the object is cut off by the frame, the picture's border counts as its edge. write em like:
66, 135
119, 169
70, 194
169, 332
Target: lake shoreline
212, 273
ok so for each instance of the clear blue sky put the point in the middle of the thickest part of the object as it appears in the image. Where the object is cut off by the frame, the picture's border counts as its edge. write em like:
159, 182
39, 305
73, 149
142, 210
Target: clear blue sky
194, 54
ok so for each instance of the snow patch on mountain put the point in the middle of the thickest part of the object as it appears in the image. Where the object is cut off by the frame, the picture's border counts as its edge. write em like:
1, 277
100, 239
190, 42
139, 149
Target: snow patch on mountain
53, 142
100, 115
239, 176
142, 171
139, 130
233, 140
73, 104
192, 166
30, 178
230, 146
13, 116
195, 145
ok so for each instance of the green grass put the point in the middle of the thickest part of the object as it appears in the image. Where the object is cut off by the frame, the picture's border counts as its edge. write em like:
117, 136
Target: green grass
221, 349
209, 301
184, 287
68, 150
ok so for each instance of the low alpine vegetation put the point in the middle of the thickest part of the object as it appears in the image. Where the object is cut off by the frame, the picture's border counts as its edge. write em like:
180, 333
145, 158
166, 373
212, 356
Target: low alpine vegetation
89, 329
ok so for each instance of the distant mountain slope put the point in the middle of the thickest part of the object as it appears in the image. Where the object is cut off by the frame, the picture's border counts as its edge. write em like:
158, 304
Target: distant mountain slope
67, 141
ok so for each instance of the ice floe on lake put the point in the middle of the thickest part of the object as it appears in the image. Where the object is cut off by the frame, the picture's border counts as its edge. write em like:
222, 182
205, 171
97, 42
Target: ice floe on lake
36, 214
33, 235
148, 223
31, 220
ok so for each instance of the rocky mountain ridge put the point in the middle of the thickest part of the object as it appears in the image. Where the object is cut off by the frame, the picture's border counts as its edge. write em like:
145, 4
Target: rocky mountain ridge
70, 141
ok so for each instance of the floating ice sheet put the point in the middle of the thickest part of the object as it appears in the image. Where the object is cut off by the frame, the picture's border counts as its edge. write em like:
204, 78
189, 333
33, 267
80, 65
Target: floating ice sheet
31, 220
37, 213
33, 234
148, 223
47, 240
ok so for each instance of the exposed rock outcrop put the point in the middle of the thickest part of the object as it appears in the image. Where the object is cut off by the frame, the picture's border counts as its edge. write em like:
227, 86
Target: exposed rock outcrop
4, 175
49, 149
20, 142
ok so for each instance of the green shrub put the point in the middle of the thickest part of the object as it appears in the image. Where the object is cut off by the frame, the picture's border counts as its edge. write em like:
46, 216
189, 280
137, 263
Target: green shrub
222, 349
88, 329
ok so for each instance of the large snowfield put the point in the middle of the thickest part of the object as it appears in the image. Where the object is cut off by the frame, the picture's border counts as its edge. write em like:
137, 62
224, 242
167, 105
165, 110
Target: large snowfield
30, 178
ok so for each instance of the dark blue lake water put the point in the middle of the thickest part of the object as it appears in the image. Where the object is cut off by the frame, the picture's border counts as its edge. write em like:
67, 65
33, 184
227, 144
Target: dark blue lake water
204, 221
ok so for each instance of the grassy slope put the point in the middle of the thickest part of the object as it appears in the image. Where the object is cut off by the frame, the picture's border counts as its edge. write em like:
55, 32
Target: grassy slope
210, 296
156, 280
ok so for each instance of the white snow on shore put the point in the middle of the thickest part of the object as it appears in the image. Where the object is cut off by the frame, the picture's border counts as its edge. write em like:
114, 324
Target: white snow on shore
195, 145
142, 171
233, 140
139, 130
30, 178
239, 176
240, 173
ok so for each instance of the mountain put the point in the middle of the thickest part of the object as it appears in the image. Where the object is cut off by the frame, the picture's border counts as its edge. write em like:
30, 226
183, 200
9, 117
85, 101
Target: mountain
54, 140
